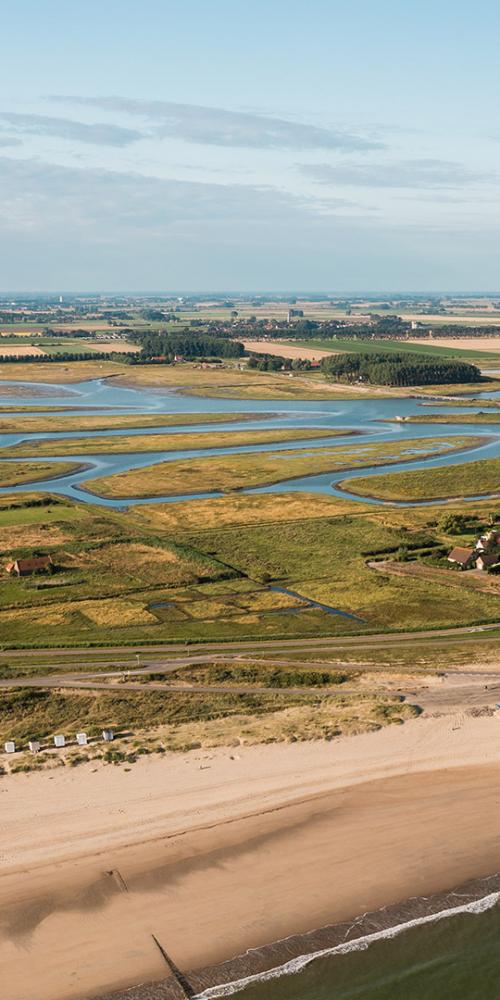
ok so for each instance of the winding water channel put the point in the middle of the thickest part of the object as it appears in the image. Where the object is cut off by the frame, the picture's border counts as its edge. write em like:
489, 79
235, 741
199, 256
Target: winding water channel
366, 416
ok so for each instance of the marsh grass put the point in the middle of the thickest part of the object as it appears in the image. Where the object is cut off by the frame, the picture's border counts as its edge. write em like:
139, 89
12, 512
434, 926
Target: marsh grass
236, 472
469, 479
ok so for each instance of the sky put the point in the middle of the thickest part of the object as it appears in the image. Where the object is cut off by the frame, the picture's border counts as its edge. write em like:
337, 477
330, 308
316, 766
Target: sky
229, 145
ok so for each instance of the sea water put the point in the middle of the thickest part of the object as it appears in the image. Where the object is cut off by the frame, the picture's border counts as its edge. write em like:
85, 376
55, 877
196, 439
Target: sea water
454, 958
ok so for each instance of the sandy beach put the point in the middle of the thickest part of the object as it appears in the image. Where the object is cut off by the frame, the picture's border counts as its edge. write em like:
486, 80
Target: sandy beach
215, 852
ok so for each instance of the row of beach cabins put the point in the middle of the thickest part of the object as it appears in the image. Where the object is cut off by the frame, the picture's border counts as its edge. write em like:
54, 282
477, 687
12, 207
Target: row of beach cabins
35, 746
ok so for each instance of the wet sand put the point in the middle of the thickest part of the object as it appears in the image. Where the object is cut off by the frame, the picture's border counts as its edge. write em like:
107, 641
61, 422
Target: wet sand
215, 852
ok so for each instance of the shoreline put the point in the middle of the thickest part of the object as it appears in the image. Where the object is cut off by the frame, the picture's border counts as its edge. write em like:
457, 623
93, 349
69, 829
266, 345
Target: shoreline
275, 839
290, 955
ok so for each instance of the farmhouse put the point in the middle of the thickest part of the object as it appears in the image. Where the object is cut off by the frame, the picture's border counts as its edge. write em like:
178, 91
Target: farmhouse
488, 541
487, 559
465, 558
25, 567
484, 555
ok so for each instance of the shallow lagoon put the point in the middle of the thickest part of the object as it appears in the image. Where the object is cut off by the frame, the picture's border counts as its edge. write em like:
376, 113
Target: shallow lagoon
363, 415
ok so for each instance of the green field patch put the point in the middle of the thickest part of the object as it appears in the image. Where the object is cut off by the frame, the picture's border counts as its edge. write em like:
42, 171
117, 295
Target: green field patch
327, 560
118, 581
365, 345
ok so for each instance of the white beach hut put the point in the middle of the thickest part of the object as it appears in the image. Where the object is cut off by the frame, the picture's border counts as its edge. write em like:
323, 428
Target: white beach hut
59, 741
108, 735
81, 739
9, 746
34, 746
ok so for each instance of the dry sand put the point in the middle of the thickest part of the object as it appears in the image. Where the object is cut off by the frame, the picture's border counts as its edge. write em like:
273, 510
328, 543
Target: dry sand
215, 852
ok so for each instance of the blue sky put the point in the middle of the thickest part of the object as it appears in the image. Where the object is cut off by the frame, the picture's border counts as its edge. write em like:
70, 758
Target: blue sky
298, 145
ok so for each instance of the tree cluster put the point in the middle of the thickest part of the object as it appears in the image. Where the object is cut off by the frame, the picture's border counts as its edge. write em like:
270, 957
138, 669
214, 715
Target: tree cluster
272, 363
399, 369
168, 346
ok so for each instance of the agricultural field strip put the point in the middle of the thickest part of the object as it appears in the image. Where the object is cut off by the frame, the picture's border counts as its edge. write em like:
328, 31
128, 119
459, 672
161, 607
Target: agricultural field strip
218, 473
386, 345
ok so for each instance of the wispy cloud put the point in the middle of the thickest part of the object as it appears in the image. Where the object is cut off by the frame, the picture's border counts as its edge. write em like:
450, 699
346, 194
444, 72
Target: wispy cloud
132, 231
403, 174
105, 203
66, 128
219, 127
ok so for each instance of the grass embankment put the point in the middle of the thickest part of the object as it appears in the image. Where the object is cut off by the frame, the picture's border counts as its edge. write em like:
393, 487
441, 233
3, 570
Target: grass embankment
165, 442
469, 652
17, 473
109, 422
452, 481
236, 472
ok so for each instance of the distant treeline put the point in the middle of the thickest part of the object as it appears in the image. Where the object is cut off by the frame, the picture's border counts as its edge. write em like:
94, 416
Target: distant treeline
399, 369
9, 359
457, 330
167, 346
